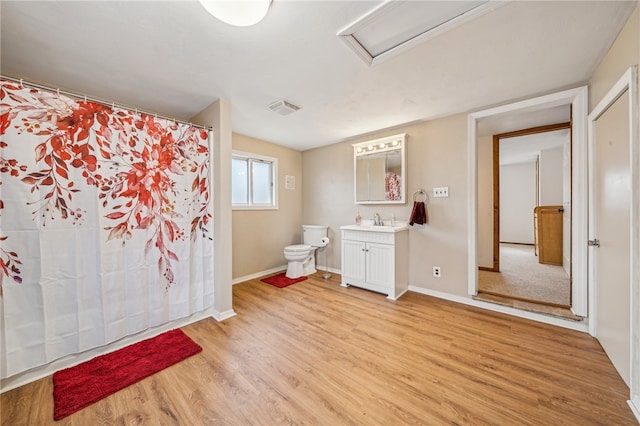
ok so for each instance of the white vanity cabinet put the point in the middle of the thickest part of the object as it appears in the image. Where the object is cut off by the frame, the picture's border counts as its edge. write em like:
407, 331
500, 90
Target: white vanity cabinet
376, 258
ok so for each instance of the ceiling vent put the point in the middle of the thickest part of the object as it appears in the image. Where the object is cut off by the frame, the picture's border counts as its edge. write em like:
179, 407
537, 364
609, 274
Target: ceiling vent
283, 107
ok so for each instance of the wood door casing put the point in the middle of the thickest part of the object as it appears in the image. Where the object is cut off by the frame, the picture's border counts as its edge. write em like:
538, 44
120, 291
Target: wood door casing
496, 181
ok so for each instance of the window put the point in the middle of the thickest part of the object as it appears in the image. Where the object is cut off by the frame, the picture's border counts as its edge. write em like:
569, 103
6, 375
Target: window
253, 183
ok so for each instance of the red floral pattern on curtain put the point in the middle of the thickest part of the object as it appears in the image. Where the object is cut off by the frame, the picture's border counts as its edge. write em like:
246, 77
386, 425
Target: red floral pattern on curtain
130, 158
105, 225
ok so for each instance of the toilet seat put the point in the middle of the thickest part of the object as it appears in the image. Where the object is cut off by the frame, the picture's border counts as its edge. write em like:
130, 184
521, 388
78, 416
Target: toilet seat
298, 248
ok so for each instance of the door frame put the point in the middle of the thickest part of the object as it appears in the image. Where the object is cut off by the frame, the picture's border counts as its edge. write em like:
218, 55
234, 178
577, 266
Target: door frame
627, 83
578, 99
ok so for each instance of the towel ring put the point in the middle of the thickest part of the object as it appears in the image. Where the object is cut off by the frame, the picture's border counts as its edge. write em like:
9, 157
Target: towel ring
420, 195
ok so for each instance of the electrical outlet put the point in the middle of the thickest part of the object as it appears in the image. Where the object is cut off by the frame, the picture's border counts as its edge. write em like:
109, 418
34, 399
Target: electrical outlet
436, 272
441, 192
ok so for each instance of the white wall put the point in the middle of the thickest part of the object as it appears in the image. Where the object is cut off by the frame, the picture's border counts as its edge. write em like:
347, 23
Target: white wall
517, 201
260, 236
436, 156
551, 172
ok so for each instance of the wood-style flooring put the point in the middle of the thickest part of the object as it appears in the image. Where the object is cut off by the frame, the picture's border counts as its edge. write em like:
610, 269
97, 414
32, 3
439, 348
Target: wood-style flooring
315, 353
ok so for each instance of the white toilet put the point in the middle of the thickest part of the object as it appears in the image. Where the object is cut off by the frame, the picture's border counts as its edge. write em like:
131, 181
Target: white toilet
301, 257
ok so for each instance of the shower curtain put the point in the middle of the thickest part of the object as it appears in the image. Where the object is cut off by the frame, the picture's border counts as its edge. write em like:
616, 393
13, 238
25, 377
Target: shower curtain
105, 224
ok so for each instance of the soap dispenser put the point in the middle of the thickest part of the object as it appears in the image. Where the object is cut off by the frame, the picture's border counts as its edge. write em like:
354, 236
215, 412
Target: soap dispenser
358, 219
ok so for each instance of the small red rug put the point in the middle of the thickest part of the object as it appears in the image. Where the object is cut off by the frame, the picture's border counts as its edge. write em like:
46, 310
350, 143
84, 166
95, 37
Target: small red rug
281, 280
80, 386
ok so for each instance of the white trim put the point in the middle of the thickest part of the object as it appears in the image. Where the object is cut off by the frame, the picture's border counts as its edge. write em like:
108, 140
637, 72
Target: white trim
278, 269
274, 177
472, 216
75, 359
547, 319
402, 146
578, 99
328, 269
346, 34
627, 83
258, 275
634, 404
221, 316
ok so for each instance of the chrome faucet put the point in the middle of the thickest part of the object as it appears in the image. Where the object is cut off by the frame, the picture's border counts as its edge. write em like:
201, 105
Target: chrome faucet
376, 220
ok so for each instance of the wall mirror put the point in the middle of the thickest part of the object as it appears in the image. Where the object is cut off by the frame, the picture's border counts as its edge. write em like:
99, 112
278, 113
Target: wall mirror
380, 170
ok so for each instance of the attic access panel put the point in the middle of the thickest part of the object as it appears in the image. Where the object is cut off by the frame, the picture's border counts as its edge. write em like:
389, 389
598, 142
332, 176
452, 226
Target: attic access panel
395, 26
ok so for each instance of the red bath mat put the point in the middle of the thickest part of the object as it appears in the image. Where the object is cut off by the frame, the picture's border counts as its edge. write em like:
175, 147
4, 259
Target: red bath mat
281, 280
80, 386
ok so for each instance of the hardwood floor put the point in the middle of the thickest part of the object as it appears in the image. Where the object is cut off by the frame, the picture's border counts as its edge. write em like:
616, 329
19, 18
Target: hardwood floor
318, 354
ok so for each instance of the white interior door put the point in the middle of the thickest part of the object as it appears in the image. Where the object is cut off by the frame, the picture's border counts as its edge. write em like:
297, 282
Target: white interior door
610, 196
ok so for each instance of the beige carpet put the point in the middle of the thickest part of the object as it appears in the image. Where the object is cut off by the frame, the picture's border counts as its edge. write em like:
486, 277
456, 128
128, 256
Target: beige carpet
523, 277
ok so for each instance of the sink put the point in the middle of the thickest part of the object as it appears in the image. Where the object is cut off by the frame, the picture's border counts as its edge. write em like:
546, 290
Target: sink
376, 228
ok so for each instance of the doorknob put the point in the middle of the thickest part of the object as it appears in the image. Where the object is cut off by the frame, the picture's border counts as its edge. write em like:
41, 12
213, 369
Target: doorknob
595, 242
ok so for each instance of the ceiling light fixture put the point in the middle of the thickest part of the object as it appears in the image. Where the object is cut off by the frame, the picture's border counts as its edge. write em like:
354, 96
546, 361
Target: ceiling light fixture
241, 13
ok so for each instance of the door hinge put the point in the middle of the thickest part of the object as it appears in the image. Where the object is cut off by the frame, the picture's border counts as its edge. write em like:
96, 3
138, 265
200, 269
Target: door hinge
595, 242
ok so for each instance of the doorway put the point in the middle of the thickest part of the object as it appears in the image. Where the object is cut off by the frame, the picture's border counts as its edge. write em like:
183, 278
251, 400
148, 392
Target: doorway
523, 115
530, 237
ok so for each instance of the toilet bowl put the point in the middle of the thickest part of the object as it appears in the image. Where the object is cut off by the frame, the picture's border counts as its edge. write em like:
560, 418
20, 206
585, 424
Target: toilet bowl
301, 257
302, 260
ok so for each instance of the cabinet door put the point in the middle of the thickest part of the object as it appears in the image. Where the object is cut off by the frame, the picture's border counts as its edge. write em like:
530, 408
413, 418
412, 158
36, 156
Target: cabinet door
353, 259
380, 261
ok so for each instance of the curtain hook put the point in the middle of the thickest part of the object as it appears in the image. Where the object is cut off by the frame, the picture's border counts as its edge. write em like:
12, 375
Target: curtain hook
20, 82
113, 105
85, 98
58, 91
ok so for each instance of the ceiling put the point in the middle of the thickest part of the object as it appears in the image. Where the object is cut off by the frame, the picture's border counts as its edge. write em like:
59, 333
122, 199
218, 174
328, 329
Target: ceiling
526, 149
173, 59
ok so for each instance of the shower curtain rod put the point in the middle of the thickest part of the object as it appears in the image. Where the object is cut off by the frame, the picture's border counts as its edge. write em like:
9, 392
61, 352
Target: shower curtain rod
88, 98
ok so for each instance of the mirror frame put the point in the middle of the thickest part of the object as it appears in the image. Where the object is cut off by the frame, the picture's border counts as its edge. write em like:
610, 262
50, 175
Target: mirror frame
375, 146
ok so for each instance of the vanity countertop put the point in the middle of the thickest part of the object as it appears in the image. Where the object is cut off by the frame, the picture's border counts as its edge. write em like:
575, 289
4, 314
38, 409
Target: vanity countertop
375, 228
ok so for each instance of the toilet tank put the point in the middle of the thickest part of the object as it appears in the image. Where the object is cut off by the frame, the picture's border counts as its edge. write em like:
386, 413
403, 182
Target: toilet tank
313, 234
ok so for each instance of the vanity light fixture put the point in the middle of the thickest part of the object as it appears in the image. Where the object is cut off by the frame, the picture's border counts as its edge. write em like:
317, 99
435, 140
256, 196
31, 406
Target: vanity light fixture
240, 13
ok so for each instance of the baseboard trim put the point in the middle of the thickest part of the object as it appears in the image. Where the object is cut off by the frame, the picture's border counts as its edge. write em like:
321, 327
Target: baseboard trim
221, 316
38, 373
328, 269
275, 270
634, 404
258, 275
573, 325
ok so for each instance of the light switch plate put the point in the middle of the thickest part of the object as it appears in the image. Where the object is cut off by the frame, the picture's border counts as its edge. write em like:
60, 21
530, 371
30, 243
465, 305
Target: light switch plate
441, 192
289, 182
